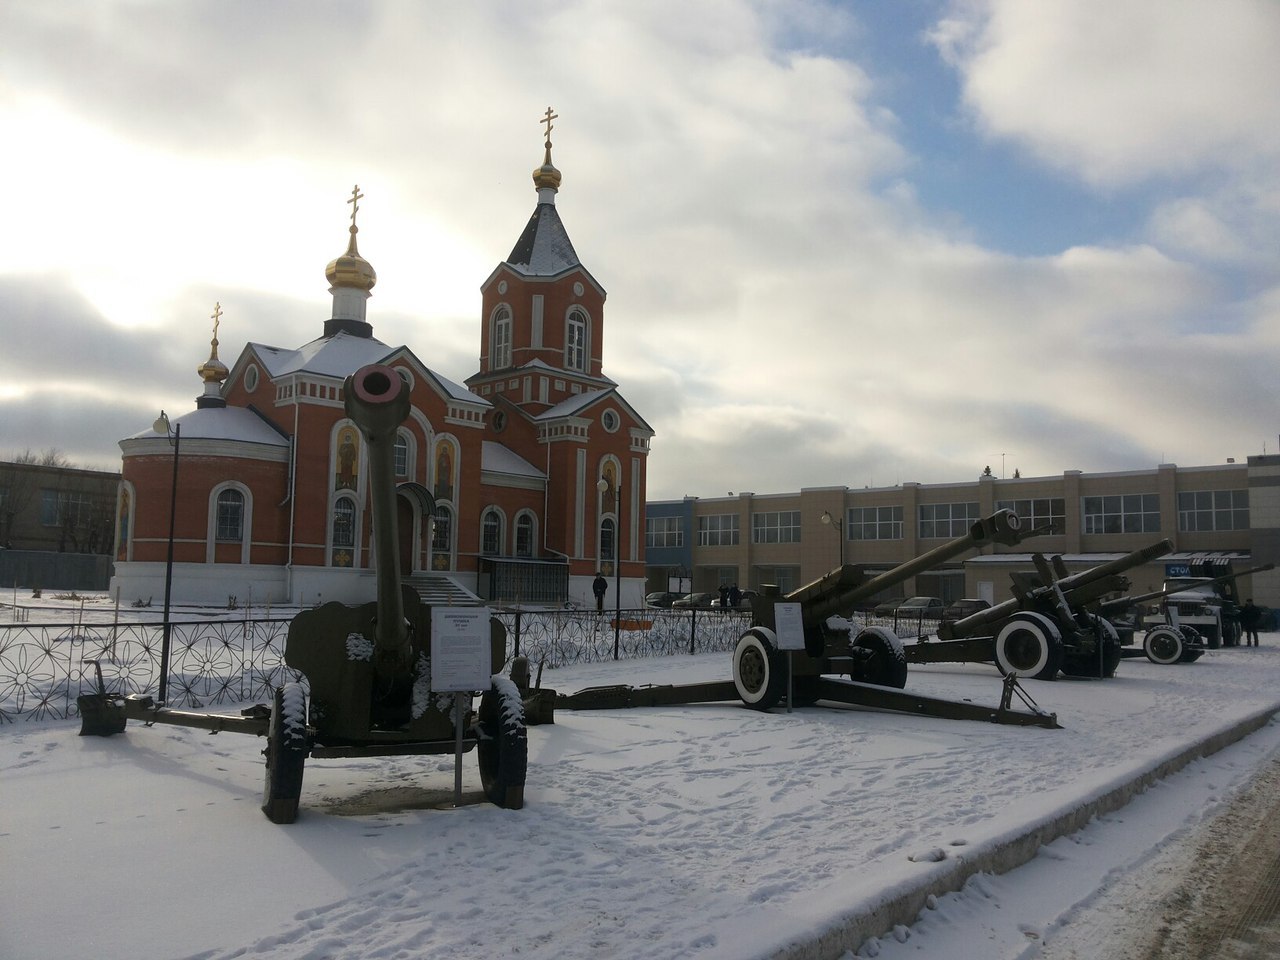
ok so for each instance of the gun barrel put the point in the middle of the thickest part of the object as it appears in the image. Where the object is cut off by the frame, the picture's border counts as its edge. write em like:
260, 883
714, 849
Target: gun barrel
1124, 603
376, 398
839, 590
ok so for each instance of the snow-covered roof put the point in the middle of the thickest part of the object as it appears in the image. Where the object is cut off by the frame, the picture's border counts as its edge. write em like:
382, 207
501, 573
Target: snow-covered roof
543, 249
221, 423
495, 458
573, 405
335, 356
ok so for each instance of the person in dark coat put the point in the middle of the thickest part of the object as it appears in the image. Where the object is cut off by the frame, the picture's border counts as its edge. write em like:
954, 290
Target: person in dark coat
1250, 617
599, 586
724, 596
735, 596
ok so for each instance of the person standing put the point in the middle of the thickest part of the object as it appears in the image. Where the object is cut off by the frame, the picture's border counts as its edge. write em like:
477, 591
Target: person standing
724, 596
735, 596
599, 586
1250, 616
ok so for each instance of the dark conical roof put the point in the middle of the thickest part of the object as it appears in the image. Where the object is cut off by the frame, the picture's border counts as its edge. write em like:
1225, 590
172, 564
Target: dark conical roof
544, 248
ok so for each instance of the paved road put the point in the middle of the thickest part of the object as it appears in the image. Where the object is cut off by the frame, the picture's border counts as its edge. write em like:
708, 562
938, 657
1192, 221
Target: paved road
1214, 893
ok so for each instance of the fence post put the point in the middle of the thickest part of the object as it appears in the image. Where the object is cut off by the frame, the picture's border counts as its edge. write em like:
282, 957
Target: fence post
517, 642
693, 629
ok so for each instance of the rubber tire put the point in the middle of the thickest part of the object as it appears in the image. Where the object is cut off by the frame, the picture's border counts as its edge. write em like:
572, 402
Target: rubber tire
286, 753
502, 749
1163, 645
1112, 651
887, 665
1023, 633
759, 669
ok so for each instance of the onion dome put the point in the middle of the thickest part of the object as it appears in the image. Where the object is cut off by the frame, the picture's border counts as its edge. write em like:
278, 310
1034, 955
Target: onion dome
351, 269
547, 177
213, 371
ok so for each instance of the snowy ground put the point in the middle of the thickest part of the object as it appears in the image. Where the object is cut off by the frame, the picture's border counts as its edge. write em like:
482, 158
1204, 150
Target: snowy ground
698, 831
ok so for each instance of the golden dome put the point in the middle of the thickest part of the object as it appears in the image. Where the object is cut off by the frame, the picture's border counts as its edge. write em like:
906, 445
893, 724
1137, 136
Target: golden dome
351, 269
546, 175
214, 370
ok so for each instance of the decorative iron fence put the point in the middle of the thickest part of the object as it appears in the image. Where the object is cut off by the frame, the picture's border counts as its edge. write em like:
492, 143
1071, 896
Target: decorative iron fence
44, 667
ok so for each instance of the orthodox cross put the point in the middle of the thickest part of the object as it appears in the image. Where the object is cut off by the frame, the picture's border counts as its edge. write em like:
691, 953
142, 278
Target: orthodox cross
356, 197
216, 317
547, 118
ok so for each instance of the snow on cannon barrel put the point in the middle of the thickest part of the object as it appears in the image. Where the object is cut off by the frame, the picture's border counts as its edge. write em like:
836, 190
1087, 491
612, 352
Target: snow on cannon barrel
875, 655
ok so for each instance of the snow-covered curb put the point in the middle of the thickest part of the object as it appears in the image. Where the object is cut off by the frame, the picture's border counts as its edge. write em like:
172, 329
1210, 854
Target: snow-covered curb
899, 899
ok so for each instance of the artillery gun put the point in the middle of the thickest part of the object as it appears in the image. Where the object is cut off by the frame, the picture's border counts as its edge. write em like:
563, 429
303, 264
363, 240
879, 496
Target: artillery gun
1047, 626
872, 658
368, 667
1168, 642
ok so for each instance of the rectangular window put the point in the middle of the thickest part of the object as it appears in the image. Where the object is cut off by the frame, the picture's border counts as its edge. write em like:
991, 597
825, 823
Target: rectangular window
718, 530
782, 526
59, 508
874, 523
1200, 511
49, 514
1127, 513
946, 521
1048, 512
663, 532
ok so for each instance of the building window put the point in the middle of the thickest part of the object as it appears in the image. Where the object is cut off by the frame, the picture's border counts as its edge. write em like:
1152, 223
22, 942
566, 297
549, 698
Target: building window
874, 523
1048, 512
718, 530
442, 538
402, 455
1130, 513
524, 535
491, 533
344, 532
1200, 511
230, 522
663, 532
781, 526
606, 539
946, 521
575, 341
500, 352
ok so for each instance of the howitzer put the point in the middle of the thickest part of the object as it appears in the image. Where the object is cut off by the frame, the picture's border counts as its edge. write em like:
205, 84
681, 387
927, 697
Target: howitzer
1046, 626
368, 667
1109, 608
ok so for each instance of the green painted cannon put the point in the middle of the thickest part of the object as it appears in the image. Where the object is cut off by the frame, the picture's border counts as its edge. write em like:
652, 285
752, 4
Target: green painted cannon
367, 667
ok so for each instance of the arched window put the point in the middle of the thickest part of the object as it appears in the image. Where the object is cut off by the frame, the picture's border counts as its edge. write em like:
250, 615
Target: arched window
344, 532
500, 347
442, 538
491, 533
524, 535
230, 516
575, 341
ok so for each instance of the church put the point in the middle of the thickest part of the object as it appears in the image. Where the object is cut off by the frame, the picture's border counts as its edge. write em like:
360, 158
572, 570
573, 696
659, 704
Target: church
516, 485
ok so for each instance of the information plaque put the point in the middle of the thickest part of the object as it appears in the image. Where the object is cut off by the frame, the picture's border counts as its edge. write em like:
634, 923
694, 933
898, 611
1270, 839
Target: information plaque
460, 649
789, 626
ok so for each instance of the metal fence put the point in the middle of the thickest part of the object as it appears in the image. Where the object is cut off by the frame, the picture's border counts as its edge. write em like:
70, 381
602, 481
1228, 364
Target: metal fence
44, 667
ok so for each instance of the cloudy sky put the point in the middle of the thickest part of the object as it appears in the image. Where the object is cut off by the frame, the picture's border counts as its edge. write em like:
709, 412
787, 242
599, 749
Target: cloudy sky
846, 243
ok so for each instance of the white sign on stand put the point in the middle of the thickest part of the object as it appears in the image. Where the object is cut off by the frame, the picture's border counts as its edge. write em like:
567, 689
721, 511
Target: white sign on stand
460, 649
459, 663
788, 626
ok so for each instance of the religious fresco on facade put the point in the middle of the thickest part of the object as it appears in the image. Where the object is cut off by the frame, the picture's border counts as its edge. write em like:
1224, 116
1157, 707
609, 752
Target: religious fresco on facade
444, 470
348, 473
122, 520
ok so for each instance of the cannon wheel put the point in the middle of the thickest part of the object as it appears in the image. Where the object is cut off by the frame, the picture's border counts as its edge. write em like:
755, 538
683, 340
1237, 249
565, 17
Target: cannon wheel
1192, 644
1111, 647
759, 670
1163, 645
503, 745
887, 664
1029, 645
286, 753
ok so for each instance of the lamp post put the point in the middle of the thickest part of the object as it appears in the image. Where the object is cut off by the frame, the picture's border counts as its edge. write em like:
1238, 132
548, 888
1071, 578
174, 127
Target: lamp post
603, 487
174, 435
836, 522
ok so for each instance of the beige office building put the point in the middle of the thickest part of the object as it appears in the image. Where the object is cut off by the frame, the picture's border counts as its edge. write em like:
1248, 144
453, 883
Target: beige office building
1212, 515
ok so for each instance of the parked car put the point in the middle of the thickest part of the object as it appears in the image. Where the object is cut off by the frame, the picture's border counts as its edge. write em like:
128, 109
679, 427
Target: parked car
695, 601
886, 608
920, 607
959, 609
663, 598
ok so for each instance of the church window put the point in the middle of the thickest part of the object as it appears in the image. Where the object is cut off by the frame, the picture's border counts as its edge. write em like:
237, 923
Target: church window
491, 533
607, 539
344, 532
500, 354
231, 516
575, 341
402, 455
251, 378
442, 534
524, 535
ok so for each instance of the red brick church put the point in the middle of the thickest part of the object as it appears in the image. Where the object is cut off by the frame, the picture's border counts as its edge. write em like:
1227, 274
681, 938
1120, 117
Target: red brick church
498, 478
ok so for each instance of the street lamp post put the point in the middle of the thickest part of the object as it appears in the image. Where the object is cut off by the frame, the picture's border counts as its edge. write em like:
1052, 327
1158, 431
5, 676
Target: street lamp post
603, 487
836, 522
174, 435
